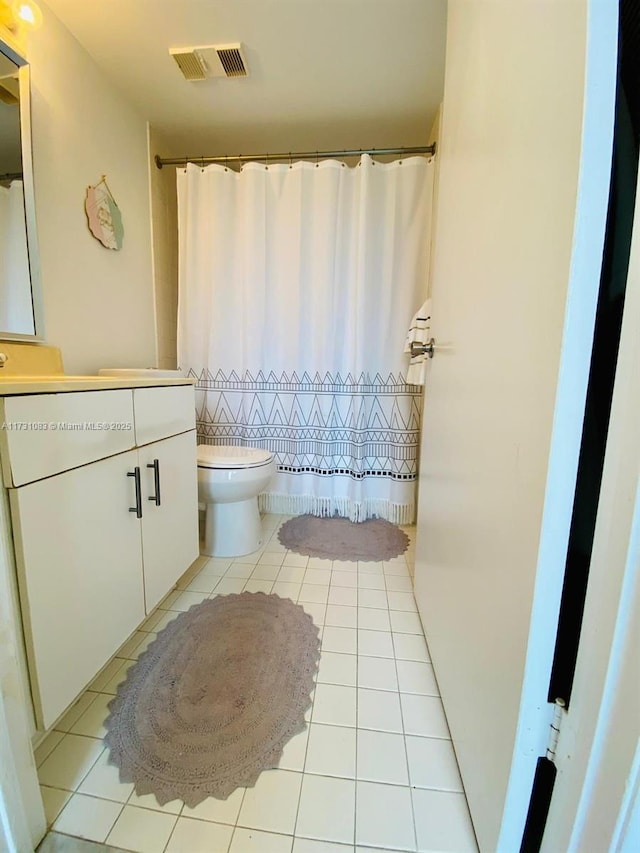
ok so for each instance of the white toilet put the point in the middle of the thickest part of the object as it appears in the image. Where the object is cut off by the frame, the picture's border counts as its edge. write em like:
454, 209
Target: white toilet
229, 482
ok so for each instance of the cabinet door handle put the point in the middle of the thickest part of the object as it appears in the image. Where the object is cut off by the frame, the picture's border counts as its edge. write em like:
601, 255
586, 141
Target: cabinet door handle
138, 507
156, 481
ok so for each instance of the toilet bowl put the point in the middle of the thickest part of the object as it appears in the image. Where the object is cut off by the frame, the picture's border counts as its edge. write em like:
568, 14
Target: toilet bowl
229, 482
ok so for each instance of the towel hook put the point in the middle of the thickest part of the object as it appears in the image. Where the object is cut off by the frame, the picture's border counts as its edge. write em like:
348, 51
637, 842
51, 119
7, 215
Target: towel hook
428, 349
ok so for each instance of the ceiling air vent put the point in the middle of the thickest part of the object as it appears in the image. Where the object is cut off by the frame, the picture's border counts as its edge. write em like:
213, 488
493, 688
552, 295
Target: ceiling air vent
215, 60
189, 62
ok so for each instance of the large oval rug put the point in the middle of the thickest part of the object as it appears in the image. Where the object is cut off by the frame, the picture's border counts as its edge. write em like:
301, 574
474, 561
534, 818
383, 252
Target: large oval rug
334, 538
215, 697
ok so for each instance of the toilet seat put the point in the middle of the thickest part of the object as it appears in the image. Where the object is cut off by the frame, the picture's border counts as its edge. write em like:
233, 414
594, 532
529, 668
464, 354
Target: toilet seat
225, 456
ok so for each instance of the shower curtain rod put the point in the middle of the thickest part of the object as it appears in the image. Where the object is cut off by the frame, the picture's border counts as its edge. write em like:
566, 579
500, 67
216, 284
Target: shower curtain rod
292, 155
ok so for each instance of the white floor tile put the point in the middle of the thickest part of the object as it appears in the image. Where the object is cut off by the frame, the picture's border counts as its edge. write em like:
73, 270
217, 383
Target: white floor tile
76, 711
424, 715
70, 762
410, 647
167, 617
293, 559
219, 811
381, 757
293, 574
203, 582
240, 570
327, 807
375, 643
405, 623
368, 580
287, 589
373, 598
377, 673
254, 841
432, 764
258, 585
345, 565
314, 593
229, 585
107, 673
103, 780
370, 567
331, 751
344, 595
334, 705
87, 817
384, 816
308, 845
373, 620
91, 723
442, 822
199, 836
46, 746
272, 558
53, 800
111, 686
142, 830
335, 639
187, 599
379, 710
337, 668
316, 610
319, 563
396, 568
293, 754
272, 804
398, 583
149, 801
321, 576
417, 677
341, 617
349, 579
402, 601
265, 572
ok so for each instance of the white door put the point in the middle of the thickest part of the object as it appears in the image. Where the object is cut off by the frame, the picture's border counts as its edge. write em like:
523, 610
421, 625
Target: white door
79, 571
524, 168
169, 513
598, 754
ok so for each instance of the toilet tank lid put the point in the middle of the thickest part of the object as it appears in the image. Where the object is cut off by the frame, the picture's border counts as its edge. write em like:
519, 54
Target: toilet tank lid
225, 456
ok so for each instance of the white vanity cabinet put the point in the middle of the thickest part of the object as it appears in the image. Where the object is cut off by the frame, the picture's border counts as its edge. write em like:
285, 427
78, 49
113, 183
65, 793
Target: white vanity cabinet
99, 544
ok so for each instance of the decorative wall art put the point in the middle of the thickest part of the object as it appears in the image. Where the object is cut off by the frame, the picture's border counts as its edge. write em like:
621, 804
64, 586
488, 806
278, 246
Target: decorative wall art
103, 215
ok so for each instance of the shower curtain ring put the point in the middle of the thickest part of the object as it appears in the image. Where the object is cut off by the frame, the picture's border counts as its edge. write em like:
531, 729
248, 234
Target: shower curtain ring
202, 162
316, 158
290, 166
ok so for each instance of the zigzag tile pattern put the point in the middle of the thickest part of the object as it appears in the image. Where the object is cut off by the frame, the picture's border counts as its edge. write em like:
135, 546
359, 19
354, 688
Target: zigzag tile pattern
364, 426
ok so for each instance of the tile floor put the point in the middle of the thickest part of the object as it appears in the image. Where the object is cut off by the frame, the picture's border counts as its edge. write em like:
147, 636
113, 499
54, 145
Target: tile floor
375, 769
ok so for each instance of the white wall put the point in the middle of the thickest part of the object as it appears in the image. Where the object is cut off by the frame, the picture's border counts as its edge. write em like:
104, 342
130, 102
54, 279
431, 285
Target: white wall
98, 302
164, 218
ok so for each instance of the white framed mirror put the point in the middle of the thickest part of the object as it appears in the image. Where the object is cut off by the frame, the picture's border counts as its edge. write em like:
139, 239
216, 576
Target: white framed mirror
21, 316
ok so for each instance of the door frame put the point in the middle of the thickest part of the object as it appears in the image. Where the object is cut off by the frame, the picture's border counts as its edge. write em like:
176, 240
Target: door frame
535, 715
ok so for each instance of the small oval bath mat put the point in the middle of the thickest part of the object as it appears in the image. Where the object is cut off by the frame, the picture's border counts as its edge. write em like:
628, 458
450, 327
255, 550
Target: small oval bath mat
334, 538
215, 697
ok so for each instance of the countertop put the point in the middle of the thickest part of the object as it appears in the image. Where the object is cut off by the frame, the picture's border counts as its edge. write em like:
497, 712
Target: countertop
61, 384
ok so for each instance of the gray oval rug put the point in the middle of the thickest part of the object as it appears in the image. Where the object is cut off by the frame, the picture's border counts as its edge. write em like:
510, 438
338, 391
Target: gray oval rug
215, 697
334, 538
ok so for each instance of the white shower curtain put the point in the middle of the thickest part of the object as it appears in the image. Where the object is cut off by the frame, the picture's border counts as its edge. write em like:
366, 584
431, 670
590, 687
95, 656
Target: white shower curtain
297, 286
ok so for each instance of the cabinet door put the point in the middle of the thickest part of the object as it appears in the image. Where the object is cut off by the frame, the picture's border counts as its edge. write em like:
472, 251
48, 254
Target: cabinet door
170, 526
78, 551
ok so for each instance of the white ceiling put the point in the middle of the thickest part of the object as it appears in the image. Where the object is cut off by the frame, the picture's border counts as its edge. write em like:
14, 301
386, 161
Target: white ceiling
323, 73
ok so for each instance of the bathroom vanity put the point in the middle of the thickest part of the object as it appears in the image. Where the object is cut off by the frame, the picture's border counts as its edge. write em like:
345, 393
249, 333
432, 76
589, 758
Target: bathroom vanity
101, 481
